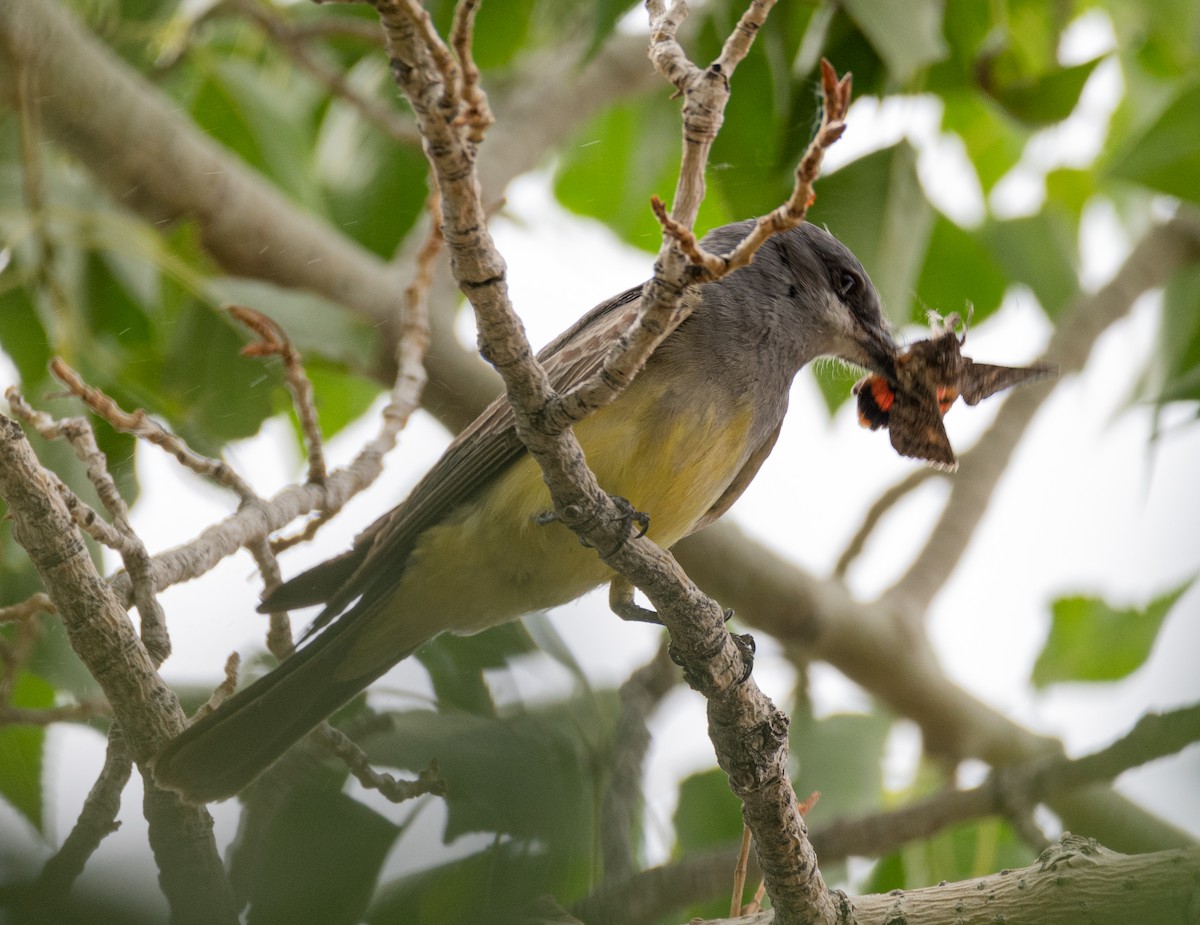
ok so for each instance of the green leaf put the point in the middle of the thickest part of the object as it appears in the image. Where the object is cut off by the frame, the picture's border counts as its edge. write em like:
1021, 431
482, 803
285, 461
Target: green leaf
973, 849
835, 379
533, 776
209, 391
1178, 355
23, 337
908, 36
1092, 641
265, 118
456, 665
605, 15
341, 396
316, 326
497, 886
1038, 250
958, 272
614, 165
708, 814
1043, 99
21, 751
116, 318
994, 143
1166, 157
876, 207
841, 756
319, 861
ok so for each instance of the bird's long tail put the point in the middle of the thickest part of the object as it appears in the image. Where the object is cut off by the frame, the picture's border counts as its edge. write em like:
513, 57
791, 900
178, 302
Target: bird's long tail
223, 752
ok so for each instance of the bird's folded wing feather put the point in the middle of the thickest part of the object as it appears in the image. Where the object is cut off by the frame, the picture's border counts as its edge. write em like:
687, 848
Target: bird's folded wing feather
373, 567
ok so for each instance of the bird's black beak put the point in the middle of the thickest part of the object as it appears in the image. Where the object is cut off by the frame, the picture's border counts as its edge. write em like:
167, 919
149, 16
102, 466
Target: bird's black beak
879, 350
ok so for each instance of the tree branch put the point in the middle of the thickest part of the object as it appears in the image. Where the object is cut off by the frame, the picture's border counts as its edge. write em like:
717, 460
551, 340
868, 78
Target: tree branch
1162, 251
1074, 882
190, 869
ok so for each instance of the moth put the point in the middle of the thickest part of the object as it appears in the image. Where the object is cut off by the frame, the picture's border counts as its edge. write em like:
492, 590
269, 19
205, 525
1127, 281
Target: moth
930, 375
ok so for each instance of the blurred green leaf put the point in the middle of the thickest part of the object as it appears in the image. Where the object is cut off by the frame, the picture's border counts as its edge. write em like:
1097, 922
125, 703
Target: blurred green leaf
316, 326
840, 756
23, 337
605, 15
908, 36
213, 394
534, 775
963, 852
456, 665
1038, 250
341, 396
1043, 99
835, 380
708, 814
958, 273
264, 118
622, 158
1092, 641
1178, 354
319, 861
875, 205
994, 143
493, 887
21, 750
1166, 156
114, 315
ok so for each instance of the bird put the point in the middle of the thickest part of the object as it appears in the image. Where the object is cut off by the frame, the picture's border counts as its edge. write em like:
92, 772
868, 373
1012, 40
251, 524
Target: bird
472, 547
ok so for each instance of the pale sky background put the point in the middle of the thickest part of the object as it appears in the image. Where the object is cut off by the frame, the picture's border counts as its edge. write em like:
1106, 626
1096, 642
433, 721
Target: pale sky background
1088, 506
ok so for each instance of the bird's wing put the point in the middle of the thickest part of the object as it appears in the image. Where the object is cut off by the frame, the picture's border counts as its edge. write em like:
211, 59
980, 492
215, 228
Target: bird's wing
485, 448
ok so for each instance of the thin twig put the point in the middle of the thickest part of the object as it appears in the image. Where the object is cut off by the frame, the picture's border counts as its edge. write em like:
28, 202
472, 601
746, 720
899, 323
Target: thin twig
836, 97
222, 691
394, 789
97, 820
739, 872
477, 115
140, 424
273, 341
119, 535
80, 712
411, 345
27, 609
291, 39
640, 695
882, 505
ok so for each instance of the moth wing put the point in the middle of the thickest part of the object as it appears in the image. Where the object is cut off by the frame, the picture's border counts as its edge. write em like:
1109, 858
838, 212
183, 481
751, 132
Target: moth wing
978, 381
917, 431
875, 399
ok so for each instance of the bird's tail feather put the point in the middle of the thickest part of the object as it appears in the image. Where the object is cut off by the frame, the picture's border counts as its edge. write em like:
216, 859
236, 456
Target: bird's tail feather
223, 752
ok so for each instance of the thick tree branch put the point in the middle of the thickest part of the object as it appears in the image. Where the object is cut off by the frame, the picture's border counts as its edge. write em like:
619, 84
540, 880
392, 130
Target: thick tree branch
190, 869
1075, 882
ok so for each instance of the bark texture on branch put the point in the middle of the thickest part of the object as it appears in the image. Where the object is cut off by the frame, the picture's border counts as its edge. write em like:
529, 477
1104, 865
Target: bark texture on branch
190, 869
1074, 882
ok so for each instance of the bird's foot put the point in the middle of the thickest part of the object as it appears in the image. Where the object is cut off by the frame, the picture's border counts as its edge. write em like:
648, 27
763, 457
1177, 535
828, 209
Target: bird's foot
745, 644
620, 602
634, 522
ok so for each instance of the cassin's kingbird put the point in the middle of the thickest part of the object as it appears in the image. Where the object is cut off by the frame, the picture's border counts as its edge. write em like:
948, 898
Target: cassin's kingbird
468, 549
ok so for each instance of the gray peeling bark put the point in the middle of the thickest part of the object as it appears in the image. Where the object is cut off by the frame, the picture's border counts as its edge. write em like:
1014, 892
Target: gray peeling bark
101, 633
1074, 882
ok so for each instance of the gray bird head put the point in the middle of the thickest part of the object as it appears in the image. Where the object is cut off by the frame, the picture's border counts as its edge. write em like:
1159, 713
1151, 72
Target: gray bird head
804, 295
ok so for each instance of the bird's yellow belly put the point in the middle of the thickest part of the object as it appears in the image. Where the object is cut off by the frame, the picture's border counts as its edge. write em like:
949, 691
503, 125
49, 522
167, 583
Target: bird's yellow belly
491, 560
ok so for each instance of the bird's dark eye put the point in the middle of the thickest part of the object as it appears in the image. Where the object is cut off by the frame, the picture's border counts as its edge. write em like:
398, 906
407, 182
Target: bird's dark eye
847, 283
